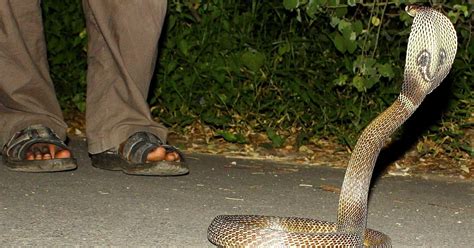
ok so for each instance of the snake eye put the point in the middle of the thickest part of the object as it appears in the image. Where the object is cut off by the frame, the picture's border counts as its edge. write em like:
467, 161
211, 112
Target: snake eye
442, 57
423, 59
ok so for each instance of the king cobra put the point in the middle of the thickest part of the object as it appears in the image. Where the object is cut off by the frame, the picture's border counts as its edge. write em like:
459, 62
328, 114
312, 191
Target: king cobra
432, 46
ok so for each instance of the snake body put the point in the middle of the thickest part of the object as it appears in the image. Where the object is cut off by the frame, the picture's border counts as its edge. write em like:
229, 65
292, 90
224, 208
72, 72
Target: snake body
432, 46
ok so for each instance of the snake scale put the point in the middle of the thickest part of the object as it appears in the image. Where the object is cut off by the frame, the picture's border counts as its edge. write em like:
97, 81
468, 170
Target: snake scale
431, 49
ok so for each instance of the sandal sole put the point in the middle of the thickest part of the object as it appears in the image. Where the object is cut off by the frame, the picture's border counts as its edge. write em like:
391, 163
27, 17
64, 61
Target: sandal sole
54, 165
113, 162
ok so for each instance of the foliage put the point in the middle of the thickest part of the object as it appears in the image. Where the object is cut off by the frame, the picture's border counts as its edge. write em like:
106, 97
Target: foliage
66, 39
323, 67
314, 67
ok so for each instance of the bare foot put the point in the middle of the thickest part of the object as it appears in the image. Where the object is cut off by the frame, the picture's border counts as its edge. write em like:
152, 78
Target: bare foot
159, 154
45, 151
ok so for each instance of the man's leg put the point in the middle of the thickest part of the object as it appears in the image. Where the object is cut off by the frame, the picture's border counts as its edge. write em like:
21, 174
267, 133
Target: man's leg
122, 51
27, 95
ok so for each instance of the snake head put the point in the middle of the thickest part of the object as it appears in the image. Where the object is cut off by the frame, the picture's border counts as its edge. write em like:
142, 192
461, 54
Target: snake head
431, 50
414, 9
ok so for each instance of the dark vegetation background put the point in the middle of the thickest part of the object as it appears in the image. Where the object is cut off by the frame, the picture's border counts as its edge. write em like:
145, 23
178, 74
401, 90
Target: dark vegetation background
285, 68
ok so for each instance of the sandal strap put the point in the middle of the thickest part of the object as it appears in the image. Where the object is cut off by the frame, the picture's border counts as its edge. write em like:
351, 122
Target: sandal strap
135, 150
17, 147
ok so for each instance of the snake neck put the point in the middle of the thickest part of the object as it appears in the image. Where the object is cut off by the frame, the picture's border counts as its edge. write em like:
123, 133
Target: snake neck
352, 210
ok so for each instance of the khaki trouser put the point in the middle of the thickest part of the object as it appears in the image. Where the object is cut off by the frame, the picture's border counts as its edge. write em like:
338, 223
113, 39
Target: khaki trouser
122, 50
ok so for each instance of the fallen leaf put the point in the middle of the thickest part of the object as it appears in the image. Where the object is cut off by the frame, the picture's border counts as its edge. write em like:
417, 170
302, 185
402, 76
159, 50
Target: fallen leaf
330, 188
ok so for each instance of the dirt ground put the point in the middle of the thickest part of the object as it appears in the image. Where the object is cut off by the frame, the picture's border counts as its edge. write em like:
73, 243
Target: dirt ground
395, 159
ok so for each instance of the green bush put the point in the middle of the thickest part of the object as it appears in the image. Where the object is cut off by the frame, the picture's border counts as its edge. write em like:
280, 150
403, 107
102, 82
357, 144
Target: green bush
323, 68
67, 40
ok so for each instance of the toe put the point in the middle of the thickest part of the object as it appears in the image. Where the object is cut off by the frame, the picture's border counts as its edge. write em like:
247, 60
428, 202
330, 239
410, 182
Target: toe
157, 154
30, 156
46, 152
51, 150
38, 155
63, 154
172, 156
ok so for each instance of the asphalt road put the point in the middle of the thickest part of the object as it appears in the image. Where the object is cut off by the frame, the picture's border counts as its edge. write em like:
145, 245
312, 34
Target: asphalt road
91, 207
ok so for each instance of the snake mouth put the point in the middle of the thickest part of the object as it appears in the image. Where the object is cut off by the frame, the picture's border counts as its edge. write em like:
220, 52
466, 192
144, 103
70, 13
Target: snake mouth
413, 9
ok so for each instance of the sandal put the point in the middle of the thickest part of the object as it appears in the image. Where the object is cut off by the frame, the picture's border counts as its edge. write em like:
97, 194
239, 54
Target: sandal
131, 157
14, 152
